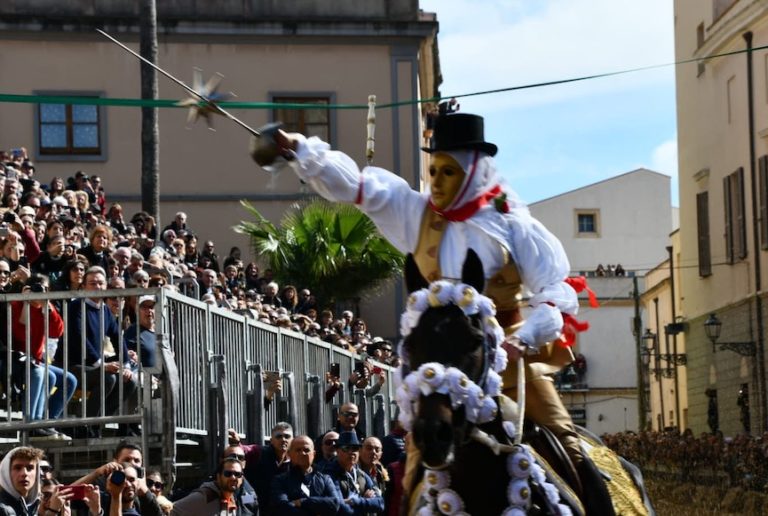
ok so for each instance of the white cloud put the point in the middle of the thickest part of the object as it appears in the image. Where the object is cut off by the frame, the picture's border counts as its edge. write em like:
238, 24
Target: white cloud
664, 158
491, 44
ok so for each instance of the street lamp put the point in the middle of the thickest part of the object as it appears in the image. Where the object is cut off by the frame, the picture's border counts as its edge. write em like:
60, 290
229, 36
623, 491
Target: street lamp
650, 351
713, 326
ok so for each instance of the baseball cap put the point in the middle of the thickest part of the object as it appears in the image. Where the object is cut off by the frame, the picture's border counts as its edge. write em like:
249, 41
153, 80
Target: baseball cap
144, 299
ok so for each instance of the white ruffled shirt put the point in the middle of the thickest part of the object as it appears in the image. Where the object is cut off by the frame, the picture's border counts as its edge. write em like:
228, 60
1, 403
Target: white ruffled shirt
397, 211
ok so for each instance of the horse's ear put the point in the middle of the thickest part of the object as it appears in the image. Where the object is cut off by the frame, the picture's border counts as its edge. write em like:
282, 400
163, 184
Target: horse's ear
472, 271
413, 279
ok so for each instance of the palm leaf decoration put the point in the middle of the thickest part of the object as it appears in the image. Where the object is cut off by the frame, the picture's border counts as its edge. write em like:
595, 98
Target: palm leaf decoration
333, 249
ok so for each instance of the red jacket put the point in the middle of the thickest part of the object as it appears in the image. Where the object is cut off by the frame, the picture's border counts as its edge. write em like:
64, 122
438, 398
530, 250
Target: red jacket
36, 330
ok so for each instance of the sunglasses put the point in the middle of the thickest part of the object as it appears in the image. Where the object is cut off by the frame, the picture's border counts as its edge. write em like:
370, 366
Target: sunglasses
350, 414
350, 449
46, 469
283, 436
5, 273
154, 484
330, 442
231, 473
238, 456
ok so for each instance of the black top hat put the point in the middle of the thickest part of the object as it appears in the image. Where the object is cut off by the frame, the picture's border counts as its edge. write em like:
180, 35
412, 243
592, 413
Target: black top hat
348, 439
457, 131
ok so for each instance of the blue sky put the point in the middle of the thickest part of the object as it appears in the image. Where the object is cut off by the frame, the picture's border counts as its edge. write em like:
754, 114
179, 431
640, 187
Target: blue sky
558, 138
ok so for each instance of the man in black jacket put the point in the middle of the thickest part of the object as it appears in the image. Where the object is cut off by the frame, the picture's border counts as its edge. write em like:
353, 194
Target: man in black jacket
303, 490
20, 481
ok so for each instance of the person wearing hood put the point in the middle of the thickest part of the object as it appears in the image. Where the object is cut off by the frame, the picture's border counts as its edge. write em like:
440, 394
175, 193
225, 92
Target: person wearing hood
468, 207
20, 481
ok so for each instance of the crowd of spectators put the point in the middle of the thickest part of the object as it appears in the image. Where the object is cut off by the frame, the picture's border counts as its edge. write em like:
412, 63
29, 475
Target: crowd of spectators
741, 461
610, 270
54, 227
57, 233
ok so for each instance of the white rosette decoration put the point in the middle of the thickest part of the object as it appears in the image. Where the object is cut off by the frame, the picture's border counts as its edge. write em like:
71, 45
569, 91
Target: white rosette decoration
519, 463
466, 298
500, 359
436, 479
538, 474
519, 493
440, 293
431, 376
551, 491
487, 410
449, 502
458, 386
493, 384
426, 511
513, 511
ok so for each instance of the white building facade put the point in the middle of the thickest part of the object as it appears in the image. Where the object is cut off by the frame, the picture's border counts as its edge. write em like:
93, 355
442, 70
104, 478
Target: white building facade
619, 224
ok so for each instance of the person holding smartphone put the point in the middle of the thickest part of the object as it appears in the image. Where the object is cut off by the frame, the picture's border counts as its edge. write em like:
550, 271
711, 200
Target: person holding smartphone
33, 315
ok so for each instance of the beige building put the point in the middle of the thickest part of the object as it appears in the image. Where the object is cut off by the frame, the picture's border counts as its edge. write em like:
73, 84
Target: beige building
663, 355
296, 51
722, 108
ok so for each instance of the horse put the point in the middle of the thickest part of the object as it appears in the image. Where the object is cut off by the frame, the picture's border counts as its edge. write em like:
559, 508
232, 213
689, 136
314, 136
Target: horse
449, 396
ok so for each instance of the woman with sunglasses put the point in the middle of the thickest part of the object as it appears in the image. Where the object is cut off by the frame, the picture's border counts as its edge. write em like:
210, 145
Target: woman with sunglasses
156, 486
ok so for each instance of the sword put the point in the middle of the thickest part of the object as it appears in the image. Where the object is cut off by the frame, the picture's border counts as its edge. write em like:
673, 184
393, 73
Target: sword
208, 102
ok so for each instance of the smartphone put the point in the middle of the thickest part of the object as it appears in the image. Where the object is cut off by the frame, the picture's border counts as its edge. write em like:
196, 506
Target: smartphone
359, 367
78, 490
139, 472
3, 230
376, 370
271, 376
335, 369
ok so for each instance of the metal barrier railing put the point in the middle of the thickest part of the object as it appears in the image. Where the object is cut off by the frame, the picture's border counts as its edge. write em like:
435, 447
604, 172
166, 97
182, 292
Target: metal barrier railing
210, 367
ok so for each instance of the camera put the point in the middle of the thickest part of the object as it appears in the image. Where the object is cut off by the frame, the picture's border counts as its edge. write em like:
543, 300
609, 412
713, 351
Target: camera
9, 216
37, 287
117, 478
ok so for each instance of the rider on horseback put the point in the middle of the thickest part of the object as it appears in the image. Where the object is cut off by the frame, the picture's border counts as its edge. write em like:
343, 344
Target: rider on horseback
467, 207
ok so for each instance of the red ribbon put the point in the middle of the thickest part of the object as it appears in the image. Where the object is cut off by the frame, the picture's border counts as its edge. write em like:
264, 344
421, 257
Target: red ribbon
467, 210
572, 326
579, 284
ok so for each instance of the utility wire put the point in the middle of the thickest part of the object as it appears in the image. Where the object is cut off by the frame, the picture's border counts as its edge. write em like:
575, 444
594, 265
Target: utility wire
168, 103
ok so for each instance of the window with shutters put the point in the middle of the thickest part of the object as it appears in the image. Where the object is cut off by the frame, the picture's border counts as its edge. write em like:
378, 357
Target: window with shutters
763, 198
735, 220
309, 121
702, 222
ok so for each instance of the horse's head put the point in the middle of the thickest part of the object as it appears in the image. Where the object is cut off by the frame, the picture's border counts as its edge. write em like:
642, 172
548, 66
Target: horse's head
451, 355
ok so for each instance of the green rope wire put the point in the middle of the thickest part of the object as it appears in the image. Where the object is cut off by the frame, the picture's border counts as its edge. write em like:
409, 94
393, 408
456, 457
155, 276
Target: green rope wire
169, 103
